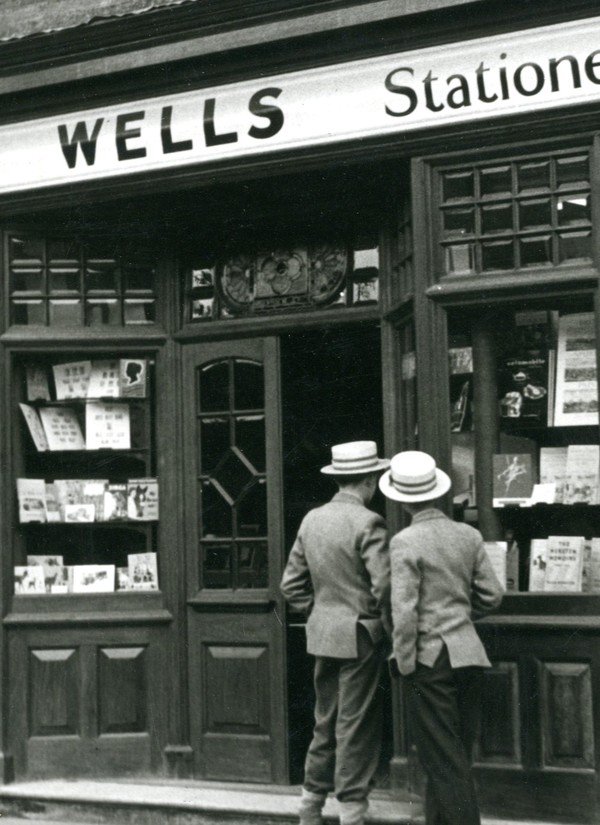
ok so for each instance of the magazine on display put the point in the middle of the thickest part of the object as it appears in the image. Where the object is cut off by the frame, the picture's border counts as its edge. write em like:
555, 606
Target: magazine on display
115, 503
576, 394
132, 377
104, 379
31, 493
29, 580
143, 571
62, 429
36, 430
523, 383
564, 564
142, 499
537, 565
582, 479
71, 380
553, 470
107, 426
36, 380
513, 479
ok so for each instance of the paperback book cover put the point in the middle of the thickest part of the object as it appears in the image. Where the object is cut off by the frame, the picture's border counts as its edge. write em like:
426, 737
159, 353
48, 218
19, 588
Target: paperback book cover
36, 430
142, 499
31, 493
553, 470
71, 380
52, 567
29, 580
107, 426
143, 571
576, 382
104, 380
36, 381
513, 478
564, 564
537, 565
62, 429
133, 372
93, 578
591, 566
115, 503
582, 479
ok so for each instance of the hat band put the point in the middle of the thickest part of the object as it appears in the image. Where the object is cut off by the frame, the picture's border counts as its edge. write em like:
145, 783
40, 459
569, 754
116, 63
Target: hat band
354, 463
414, 488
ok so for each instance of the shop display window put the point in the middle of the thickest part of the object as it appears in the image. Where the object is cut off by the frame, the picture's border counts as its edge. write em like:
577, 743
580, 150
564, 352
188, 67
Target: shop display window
518, 214
64, 282
286, 278
525, 446
86, 493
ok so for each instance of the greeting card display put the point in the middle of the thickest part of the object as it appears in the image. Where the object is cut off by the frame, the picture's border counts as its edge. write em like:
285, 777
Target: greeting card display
62, 428
107, 426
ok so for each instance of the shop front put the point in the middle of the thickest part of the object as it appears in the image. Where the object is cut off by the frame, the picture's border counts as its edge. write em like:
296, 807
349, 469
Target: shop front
213, 276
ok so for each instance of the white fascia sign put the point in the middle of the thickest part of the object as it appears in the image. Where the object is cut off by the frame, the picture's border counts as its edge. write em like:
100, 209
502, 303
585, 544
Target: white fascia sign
528, 71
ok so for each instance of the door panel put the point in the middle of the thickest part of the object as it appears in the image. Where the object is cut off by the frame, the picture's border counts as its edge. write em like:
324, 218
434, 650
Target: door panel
233, 512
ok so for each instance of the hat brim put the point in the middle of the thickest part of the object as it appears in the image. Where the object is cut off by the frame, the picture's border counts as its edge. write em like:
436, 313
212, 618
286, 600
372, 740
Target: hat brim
442, 485
382, 464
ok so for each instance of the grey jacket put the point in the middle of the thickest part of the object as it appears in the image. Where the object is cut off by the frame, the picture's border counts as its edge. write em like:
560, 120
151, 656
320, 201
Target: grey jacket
442, 579
338, 573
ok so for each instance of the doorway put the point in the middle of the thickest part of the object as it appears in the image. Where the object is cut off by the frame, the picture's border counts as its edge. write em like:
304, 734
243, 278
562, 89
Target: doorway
331, 392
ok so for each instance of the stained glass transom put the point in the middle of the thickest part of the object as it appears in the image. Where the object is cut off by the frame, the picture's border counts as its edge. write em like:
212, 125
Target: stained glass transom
232, 484
515, 214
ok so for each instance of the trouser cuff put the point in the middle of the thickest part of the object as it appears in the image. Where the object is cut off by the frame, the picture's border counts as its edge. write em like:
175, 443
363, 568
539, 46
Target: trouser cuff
353, 813
311, 806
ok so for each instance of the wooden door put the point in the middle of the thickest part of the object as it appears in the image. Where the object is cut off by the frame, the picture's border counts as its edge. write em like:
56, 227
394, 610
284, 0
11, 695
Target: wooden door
233, 506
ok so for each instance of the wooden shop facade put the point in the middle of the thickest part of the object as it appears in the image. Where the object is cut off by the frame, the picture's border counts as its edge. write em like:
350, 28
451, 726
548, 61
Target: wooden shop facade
286, 217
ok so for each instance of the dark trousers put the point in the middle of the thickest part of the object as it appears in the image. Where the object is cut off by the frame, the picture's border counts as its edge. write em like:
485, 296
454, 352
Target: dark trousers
443, 706
344, 752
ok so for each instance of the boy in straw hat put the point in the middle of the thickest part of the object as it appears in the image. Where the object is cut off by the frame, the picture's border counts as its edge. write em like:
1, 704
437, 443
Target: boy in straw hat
339, 574
441, 581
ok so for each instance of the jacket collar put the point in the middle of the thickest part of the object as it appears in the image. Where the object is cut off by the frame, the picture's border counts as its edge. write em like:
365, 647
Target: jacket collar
426, 515
348, 497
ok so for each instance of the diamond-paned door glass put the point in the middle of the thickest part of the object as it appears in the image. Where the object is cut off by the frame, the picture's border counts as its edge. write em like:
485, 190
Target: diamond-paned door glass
78, 283
510, 214
232, 483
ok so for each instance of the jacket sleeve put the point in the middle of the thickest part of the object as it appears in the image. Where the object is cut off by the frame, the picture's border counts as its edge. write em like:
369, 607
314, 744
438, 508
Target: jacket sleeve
296, 584
486, 590
406, 582
376, 557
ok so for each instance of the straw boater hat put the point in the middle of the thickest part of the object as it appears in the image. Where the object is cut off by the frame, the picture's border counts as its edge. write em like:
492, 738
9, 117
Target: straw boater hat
355, 458
413, 476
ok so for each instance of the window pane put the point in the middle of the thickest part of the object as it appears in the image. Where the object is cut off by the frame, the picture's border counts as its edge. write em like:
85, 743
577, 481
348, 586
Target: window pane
533, 175
26, 249
496, 181
459, 258
249, 390
214, 442
138, 278
252, 511
139, 312
572, 211
498, 255
252, 565
365, 275
27, 280
65, 313
535, 213
574, 246
63, 251
216, 566
250, 439
496, 217
103, 313
63, 279
214, 387
215, 519
28, 312
102, 276
458, 185
573, 171
535, 251
459, 221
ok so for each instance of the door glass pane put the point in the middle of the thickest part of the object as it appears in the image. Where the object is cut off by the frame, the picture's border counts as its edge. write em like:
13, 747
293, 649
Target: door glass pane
250, 439
214, 387
216, 566
215, 513
214, 442
252, 565
249, 391
233, 475
252, 511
